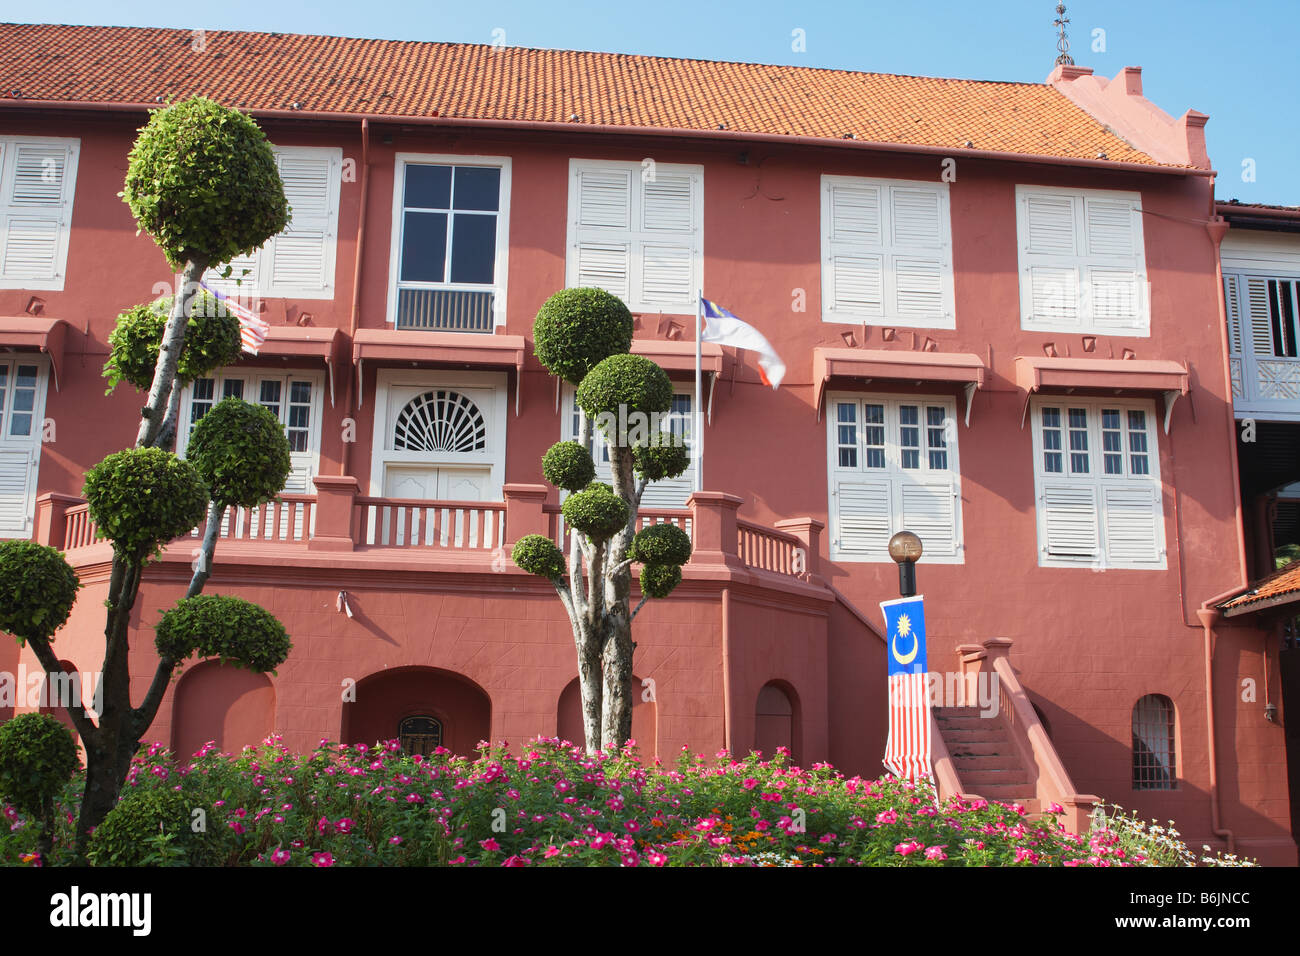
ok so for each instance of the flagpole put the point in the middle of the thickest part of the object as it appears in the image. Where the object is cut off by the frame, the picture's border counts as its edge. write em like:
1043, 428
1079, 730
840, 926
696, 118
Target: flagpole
699, 420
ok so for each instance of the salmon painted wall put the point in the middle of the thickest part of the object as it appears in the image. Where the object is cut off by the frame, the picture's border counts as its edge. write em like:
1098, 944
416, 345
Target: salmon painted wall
1087, 644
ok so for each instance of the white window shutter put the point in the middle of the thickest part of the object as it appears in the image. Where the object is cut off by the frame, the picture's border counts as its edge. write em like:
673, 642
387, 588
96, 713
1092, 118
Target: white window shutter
605, 265
1133, 525
918, 287
604, 215
15, 491
39, 172
666, 205
1259, 317
865, 512
1110, 228
34, 224
858, 284
1050, 225
1070, 520
1231, 285
928, 510
855, 214
300, 259
31, 247
666, 272
1054, 294
605, 198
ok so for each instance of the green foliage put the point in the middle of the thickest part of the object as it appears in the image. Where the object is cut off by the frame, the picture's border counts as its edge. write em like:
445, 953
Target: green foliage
658, 580
202, 181
240, 451
661, 544
596, 511
37, 758
1285, 554
141, 498
132, 832
37, 590
631, 383
211, 341
226, 627
568, 465
576, 328
537, 554
657, 462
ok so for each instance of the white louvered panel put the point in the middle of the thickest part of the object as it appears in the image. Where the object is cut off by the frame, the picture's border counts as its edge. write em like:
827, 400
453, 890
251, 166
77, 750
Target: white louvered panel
15, 473
1259, 317
605, 198
1054, 293
605, 265
298, 260
671, 492
31, 247
1132, 526
1110, 227
916, 217
1070, 520
240, 283
858, 284
306, 187
1114, 297
666, 273
855, 214
38, 176
864, 515
918, 285
1231, 285
1050, 225
666, 205
929, 512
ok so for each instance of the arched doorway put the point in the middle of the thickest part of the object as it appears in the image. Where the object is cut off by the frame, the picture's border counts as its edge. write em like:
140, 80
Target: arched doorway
231, 706
423, 707
645, 726
776, 720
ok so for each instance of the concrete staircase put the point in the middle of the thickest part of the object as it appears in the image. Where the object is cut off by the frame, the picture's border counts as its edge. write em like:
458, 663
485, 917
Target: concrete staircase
985, 758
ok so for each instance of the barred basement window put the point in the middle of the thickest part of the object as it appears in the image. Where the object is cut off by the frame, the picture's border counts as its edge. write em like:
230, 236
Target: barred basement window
420, 735
1153, 744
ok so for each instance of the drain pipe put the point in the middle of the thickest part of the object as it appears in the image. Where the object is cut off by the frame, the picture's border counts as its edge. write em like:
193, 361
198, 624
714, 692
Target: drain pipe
353, 385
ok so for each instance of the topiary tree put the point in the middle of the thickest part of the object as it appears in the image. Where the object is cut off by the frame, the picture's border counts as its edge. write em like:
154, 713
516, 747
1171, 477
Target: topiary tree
202, 181
583, 335
37, 758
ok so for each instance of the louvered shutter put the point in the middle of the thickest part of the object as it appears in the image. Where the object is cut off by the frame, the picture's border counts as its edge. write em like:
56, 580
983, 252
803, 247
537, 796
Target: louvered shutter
1115, 274
921, 253
1133, 523
667, 263
603, 248
857, 261
929, 511
1071, 526
1050, 264
37, 214
301, 259
15, 492
864, 512
1231, 285
1259, 316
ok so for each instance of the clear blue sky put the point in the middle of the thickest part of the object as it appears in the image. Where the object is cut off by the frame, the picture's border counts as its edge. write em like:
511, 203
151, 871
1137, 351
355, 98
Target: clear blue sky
1234, 61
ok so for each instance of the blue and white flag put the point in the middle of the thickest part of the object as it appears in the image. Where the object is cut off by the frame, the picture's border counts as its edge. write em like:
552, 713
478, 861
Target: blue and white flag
907, 751
722, 327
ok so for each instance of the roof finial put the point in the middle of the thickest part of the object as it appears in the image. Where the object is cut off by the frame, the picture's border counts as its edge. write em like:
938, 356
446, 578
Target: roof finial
1062, 41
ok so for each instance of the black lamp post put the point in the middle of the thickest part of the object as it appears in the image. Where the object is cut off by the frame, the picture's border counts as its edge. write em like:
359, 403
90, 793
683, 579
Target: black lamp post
905, 548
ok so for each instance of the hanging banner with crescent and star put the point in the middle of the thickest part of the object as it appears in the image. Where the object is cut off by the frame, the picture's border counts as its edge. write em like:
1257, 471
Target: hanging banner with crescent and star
907, 752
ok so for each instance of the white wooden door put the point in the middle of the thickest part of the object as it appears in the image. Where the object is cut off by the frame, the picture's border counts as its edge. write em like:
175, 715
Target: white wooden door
22, 410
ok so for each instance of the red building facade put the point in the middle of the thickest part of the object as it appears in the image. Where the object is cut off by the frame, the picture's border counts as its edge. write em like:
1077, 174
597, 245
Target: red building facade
1002, 314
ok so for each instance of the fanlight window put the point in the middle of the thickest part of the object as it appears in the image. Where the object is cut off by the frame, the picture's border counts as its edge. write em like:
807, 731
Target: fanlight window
440, 421
420, 735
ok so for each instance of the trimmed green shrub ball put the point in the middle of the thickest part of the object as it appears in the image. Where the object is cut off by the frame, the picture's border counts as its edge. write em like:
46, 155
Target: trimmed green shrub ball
240, 451
596, 511
202, 181
577, 328
126, 836
657, 462
37, 757
223, 626
568, 465
211, 341
37, 590
141, 498
661, 544
658, 580
631, 382
537, 554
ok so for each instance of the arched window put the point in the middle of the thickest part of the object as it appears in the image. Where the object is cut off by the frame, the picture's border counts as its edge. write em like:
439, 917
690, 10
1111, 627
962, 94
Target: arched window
1153, 744
440, 421
420, 735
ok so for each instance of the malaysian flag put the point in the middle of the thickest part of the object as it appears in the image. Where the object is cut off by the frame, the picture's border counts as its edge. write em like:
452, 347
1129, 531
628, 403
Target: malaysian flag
907, 752
252, 330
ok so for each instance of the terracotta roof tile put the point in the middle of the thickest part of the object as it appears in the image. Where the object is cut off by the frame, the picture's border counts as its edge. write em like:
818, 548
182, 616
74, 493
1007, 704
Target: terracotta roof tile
1278, 584
270, 71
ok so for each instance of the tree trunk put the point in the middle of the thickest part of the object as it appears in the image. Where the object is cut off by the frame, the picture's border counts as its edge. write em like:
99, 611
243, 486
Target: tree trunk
169, 352
589, 686
204, 569
618, 647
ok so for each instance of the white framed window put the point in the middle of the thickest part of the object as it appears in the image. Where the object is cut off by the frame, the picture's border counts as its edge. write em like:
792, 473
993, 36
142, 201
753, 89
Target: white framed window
448, 264
886, 252
1264, 343
1082, 261
892, 466
636, 230
679, 421
298, 263
295, 399
23, 384
38, 176
1097, 484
